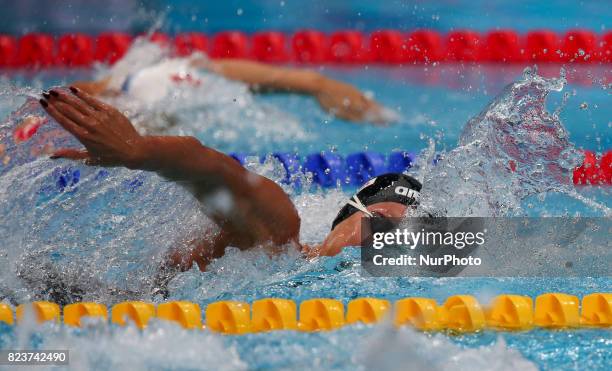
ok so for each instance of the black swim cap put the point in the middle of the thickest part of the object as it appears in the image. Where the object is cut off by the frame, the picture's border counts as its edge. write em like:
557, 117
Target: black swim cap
399, 188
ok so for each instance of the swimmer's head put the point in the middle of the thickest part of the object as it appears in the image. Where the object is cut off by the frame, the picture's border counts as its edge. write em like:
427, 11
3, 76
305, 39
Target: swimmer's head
388, 188
386, 196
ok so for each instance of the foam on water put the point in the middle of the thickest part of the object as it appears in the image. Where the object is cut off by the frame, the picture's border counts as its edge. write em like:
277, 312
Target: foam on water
72, 232
162, 346
167, 346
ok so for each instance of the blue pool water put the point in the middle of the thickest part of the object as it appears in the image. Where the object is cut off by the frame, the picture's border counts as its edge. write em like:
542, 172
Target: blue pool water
105, 233
429, 100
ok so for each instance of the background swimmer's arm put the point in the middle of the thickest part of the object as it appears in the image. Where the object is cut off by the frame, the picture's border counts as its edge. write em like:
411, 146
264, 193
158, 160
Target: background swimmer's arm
251, 210
95, 87
338, 98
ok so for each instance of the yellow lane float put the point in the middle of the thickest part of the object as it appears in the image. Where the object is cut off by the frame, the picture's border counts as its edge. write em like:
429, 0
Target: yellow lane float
459, 313
229, 317
43, 311
6, 314
274, 314
74, 312
557, 310
510, 312
422, 313
321, 314
136, 312
185, 313
367, 310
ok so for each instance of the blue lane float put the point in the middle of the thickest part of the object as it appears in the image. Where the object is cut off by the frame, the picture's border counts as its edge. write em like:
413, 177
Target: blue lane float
291, 162
399, 161
328, 169
362, 166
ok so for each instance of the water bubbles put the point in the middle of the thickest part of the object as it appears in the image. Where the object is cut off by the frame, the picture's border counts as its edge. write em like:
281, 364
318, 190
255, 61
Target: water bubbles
239, 11
584, 105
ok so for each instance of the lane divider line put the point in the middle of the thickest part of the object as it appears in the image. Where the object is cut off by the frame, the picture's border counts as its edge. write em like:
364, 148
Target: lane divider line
458, 314
390, 47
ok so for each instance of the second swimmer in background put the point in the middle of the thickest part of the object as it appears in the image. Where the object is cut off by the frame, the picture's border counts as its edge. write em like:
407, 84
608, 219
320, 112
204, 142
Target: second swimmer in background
149, 83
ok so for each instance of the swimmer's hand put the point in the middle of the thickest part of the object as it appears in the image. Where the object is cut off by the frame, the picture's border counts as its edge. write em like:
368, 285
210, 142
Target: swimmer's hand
108, 136
347, 102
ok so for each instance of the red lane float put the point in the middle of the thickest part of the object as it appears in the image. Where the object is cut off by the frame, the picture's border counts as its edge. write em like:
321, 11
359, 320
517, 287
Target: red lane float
388, 46
75, 50
8, 50
605, 165
269, 47
36, 50
594, 171
160, 38
111, 46
579, 46
502, 46
424, 46
605, 53
310, 46
348, 47
230, 44
542, 46
187, 43
463, 46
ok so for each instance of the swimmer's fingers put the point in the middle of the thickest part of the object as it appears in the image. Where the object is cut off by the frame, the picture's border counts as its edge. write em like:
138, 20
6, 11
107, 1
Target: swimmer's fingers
375, 114
74, 129
72, 101
76, 154
366, 109
72, 154
90, 100
89, 123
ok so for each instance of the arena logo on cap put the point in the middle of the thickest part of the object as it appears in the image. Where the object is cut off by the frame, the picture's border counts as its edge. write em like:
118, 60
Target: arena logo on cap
405, 191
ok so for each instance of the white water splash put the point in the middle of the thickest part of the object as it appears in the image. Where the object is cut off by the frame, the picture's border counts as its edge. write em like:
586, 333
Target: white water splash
513, 149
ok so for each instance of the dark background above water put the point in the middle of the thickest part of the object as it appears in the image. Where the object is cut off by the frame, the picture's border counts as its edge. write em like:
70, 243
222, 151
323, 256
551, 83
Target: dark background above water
59, 16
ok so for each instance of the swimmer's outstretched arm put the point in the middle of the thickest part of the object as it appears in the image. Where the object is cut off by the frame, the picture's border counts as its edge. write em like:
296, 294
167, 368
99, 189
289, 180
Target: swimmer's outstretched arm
251, 210
339, 98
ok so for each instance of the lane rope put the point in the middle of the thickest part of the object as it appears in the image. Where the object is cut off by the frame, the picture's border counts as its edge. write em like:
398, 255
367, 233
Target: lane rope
329, 169
391, 47
459, 313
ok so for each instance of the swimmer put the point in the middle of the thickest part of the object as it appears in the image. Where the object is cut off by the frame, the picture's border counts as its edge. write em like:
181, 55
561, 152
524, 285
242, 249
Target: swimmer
260, 212
152, 83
